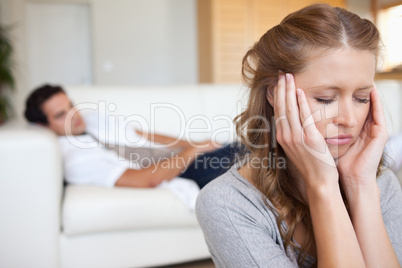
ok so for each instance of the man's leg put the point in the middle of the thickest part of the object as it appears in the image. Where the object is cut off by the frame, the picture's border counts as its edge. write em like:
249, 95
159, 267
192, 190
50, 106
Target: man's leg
211, 165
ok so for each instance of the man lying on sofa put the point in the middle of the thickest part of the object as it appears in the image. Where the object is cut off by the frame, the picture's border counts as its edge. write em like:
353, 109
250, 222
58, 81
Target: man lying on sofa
50, 106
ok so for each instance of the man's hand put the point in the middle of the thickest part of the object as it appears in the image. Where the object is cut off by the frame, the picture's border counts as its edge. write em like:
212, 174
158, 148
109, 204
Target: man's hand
206, 146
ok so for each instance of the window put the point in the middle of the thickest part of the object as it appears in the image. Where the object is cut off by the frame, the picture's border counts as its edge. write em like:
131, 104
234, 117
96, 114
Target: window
390, 25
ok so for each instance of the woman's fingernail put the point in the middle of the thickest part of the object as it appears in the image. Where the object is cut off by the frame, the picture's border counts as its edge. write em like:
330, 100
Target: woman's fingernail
299, 92
288, 77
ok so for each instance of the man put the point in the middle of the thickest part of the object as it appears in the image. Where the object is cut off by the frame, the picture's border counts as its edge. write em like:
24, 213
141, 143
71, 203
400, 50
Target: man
50, 107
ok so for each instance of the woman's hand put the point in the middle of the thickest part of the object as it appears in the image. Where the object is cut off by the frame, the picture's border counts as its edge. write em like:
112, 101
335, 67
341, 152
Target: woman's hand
297, 134
358, 166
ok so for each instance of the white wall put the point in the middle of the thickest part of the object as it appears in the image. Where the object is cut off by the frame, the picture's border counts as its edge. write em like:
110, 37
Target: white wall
134, 42
58, 44
391, 95
144, 42
360, 7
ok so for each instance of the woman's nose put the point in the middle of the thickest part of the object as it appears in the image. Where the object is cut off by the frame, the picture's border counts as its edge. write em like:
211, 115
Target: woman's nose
346, 114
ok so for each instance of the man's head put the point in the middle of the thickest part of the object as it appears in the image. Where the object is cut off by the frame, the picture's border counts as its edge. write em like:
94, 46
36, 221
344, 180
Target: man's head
50, 107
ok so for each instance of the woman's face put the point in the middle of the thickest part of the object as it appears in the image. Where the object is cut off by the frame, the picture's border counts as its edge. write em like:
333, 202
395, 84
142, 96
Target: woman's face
337, 86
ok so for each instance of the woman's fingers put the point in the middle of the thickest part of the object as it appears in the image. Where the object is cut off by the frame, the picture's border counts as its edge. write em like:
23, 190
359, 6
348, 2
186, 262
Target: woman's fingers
292, 110
280, 107
312, 139
279, 96
378, 128
377, 110
306, 118
295, 128
293, 118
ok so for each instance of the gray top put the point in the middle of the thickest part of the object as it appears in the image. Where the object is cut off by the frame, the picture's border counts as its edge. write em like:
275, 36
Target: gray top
241, 231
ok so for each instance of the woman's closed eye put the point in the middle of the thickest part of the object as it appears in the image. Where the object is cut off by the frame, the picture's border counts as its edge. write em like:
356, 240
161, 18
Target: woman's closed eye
325, 101
362, 100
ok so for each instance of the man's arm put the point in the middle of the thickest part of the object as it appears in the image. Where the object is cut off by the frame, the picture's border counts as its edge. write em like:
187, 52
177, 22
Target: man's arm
163, 139
164, 170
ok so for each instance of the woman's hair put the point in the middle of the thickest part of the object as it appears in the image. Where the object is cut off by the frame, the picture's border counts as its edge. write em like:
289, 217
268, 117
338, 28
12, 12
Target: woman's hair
288, 47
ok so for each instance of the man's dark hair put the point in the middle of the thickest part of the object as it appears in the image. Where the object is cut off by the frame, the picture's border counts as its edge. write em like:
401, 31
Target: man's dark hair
33, 109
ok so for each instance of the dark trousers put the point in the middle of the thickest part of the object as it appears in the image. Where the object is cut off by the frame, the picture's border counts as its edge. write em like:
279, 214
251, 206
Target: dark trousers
213, 164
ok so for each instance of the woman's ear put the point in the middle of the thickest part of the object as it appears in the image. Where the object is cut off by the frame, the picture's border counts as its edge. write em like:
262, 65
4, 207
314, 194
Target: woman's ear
270, 95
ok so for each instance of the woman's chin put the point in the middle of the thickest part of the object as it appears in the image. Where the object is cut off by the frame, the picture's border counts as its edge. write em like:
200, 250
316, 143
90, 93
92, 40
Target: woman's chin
338, 151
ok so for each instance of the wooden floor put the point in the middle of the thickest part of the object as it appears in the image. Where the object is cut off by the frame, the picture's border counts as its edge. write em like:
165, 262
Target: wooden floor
197, 264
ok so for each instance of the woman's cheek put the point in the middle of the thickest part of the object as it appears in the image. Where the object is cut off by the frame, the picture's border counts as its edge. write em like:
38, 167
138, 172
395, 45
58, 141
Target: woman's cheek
362, 116
365, 114
320, 116
314, 109
318, 113
331, 110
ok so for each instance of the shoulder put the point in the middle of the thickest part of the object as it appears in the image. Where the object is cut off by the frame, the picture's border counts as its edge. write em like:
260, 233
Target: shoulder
388, 184
228, 189
391, 194
239, 228
391, 208
231, 198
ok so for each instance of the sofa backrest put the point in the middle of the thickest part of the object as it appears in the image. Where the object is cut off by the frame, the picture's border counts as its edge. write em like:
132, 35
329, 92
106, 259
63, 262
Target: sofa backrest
391, 95
195, 112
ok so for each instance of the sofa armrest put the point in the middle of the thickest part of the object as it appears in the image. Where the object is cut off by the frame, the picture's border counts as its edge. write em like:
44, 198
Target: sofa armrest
30, 196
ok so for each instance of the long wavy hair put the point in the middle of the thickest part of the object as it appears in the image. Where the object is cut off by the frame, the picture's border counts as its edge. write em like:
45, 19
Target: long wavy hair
288, 47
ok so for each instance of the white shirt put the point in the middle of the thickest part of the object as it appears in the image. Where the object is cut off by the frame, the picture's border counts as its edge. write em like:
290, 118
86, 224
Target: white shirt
86, 161
91, 166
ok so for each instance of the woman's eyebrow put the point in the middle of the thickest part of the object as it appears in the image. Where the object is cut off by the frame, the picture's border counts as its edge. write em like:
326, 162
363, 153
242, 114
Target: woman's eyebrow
338, 88
366, 87
324, 87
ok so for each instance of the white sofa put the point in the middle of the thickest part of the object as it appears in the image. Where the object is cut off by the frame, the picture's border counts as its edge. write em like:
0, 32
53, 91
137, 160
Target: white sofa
44, 224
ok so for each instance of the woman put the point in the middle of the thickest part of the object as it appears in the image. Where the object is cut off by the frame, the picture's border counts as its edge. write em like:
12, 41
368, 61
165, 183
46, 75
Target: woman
318, 204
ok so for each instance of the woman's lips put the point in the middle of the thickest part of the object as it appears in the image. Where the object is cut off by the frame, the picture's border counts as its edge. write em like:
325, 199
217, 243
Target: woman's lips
341, 139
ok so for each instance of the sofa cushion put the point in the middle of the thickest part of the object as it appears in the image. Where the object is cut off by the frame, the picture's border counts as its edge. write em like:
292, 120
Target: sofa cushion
90, 209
